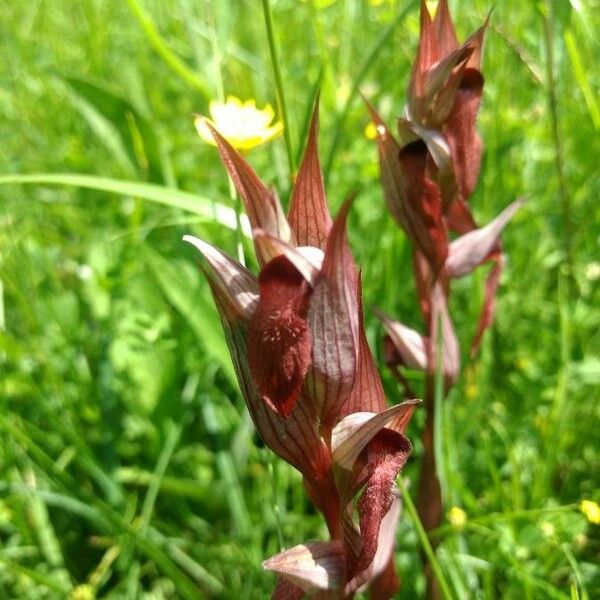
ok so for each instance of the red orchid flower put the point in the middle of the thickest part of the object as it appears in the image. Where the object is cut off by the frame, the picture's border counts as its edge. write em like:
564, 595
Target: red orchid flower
431, 172
297, 341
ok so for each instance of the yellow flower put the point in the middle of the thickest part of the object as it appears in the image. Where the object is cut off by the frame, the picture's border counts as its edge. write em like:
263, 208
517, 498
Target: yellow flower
591, 510
242, 124
82, 592
371, 131
457, 517
471, 391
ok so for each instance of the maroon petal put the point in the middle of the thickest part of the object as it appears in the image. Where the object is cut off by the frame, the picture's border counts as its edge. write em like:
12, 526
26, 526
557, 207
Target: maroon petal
460, 131
459, 217
312, 567
286, 590
367, 393
386, 454
278, 336
427, 55
334, 324
413, 199
385, 584
441, 83
261, 204
489, 302
309, 215
444, 29
382, 560
471, 249
295, 438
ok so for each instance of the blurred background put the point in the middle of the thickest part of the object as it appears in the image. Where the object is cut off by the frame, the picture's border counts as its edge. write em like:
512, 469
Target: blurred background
128, 467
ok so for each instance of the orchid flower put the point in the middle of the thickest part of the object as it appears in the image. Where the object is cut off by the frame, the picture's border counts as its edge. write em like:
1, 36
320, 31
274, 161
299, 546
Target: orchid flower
297, 340
428, 176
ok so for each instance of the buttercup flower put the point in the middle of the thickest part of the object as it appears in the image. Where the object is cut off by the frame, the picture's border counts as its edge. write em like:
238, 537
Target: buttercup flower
298, 344
591, 510
457, 517
242, 124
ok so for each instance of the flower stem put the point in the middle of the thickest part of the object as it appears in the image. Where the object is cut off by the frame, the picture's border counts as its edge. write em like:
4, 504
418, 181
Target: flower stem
425, 544
279, 86
565, 196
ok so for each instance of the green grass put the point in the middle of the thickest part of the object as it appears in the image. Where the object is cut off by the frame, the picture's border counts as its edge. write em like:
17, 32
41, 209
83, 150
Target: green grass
127, 462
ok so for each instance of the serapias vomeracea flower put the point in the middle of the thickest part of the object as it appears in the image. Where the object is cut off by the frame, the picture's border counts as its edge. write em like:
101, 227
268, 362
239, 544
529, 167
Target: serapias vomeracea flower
428, 176
298, 344
242, 124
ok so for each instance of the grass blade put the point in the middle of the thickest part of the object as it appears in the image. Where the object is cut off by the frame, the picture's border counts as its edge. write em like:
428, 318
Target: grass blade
211, 211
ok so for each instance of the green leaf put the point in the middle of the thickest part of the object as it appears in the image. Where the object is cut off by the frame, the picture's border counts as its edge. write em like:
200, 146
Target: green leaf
203, 207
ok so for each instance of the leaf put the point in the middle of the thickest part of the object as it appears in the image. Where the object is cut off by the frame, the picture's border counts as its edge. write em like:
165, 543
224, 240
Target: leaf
186, 296
128, 121
198, 205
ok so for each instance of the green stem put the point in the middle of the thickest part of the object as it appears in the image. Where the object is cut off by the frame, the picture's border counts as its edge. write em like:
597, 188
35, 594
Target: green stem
565, 196
169, 57
279, 86
425, 544
369, 61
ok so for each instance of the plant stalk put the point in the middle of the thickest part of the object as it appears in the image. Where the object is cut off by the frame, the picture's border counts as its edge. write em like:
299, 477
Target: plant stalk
279, 87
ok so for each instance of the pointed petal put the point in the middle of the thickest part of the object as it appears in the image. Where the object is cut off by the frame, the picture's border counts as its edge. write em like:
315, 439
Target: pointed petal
309, 215
315, 566
489, 303
269, 247
278, 335
409, 344
471, 249
441, 84
444, 29
234, 286
412, 198
333, 319
460, 131
261, 204
476, 40
352, 434
367, 393
382, 560
427, 54
450, 348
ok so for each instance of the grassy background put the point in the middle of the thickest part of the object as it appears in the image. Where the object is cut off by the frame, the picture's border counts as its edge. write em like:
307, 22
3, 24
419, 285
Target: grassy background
127, 465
